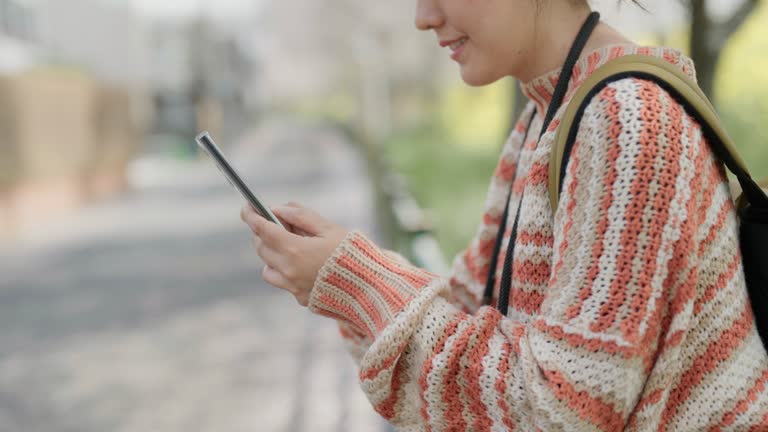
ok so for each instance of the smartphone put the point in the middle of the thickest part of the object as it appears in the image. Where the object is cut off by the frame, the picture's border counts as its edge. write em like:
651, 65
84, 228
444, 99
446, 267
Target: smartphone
205, 141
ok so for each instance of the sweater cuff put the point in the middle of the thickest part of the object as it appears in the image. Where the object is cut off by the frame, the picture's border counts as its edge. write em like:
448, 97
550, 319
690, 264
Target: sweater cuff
364, 286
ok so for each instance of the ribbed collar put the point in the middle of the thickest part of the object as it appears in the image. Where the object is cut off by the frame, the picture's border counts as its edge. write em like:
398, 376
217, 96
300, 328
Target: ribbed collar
541, 88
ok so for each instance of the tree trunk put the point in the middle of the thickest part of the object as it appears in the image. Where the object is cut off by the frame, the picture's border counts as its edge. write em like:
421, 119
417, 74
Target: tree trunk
702, 52
708, 38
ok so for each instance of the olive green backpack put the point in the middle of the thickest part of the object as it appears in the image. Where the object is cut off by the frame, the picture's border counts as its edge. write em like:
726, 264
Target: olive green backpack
752, 203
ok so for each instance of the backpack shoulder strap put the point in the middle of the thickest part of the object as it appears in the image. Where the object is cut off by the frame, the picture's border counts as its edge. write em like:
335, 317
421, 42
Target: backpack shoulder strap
680, 86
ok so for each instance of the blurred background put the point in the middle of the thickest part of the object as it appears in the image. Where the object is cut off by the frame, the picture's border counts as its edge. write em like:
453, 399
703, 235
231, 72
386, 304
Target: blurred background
130, 296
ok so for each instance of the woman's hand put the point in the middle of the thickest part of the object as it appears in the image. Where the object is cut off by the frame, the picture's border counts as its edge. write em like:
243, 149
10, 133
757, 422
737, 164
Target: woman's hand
294, 255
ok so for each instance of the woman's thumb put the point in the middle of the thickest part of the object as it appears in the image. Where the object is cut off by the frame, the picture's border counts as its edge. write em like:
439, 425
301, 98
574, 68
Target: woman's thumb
302, 218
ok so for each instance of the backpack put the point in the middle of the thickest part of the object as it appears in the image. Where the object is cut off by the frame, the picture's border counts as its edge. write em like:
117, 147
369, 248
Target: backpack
751, 205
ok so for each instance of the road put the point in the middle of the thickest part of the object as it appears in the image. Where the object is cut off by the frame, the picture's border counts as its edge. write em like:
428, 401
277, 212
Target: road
148, 313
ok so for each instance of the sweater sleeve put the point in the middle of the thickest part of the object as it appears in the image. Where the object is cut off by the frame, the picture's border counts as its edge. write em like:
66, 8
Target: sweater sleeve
357, 343
622, 238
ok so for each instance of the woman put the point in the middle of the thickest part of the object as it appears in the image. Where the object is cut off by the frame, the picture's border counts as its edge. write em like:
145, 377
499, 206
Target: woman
628, 308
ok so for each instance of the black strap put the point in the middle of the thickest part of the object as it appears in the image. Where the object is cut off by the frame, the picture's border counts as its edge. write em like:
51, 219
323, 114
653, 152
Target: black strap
491, 280
557, 99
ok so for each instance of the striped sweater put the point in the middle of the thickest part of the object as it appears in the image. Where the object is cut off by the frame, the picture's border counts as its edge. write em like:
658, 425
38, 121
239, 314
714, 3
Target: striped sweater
628, 308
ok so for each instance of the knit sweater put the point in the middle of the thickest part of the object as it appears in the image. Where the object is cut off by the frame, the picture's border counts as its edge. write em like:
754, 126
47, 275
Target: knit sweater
628, 308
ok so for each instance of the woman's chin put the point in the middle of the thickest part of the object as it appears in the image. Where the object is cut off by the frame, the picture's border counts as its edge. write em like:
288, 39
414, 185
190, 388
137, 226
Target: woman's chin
476, 78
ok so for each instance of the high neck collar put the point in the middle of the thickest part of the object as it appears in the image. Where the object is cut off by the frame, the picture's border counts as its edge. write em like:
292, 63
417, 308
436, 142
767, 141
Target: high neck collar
541, 88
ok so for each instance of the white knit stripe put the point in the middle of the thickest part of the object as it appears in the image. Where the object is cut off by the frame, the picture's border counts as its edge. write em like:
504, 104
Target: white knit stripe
593, 370
631, 130
512, 151
463, 293
351, 302
756, 409
678, 213
489, 395
719, 199
723, 241
464, 363
533, 253
733, 286
436, 407
723, 238
391, 341
548, 411
371, 293
730, 378
723, 311
649, 214
579, 248
518, 402
416, 358
689, 414
569, 329
532, 215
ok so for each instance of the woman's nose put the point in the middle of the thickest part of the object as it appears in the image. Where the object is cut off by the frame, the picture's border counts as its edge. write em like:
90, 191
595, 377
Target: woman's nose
428, 15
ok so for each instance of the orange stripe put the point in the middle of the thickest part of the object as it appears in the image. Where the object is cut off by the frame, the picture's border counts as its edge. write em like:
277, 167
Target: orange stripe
720, 285
349, 314
521, 126
457, 286
537, 239
630, 326
491, 220
451, 388
416, 280
505, 170
762, 427
586, 406
653, 398
722, 214
373, 372
538, 174
617, 293
391, 295
472, 374
469, 262
645, 51
574, 167
426, 368
387, 407
359, 295
593, 61
485, 247
743, 405
717, 352
579, 341
616, 52
529, 302
553, 125
680, 257
577, 78
614, 131
501, 388
529, 272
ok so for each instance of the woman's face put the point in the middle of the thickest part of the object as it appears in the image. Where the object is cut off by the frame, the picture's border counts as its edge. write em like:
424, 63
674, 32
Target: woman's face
490, 39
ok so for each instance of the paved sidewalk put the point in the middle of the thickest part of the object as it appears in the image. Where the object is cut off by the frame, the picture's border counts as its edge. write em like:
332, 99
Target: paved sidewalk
148, 313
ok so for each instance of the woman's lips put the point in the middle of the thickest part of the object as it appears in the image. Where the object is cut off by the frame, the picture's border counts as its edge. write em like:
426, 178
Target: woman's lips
458, 47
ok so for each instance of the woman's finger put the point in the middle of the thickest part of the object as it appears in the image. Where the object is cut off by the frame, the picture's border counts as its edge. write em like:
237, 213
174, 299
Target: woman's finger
275, 278
302, 218
269, 256
269, 232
